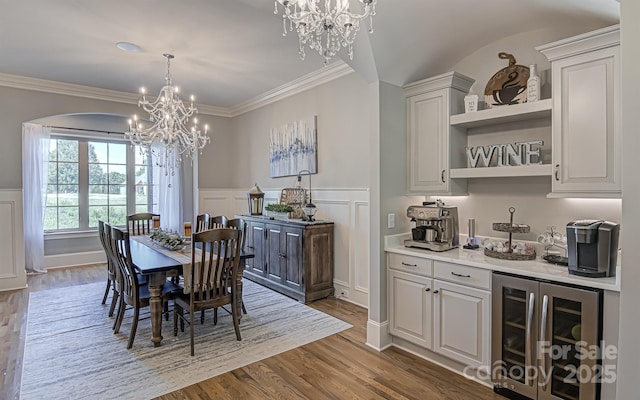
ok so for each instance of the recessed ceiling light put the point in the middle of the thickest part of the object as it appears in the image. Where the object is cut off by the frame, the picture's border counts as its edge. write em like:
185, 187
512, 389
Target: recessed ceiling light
126, 46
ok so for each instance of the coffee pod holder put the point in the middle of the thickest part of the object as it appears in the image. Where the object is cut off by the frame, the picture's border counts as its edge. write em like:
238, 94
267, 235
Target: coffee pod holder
507, 252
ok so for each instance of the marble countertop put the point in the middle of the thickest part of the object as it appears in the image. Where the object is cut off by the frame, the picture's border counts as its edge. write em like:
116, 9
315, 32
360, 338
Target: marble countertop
538, 268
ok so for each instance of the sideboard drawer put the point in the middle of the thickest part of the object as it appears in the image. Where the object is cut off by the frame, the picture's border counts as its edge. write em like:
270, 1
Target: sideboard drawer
457, 273
416, 265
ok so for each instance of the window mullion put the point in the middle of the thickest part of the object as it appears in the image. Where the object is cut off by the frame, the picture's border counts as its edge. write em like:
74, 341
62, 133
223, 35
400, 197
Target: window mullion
83, 181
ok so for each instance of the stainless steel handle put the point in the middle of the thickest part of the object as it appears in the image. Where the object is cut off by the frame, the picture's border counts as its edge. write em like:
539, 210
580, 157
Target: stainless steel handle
556, 173
527, 350
442, 175
543, 337
460, 275
409, 265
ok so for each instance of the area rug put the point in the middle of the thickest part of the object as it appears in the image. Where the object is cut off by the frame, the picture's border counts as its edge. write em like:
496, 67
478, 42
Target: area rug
72, 353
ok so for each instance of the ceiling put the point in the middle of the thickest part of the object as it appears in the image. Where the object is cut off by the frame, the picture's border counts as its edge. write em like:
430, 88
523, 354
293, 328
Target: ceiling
231, 51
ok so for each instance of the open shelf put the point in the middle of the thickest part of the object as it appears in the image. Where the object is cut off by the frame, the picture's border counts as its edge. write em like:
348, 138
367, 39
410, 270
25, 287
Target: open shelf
503, 172
503, 114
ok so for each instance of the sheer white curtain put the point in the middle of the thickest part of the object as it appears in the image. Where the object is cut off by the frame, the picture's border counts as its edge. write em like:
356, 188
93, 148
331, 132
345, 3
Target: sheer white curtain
35, 156
170, 188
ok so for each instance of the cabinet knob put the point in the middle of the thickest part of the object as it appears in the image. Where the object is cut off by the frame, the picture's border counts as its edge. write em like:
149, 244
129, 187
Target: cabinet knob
282, 255
442, 175
427, 290
556, 173
436, 291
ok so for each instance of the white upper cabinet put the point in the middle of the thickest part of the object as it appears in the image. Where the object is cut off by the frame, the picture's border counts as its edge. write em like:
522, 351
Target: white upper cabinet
586, 118
431, 147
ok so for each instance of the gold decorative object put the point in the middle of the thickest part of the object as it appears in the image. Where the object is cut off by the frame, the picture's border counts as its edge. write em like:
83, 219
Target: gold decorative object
507, 86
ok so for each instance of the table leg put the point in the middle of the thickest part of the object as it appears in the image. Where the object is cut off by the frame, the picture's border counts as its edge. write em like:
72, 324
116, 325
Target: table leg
156, 282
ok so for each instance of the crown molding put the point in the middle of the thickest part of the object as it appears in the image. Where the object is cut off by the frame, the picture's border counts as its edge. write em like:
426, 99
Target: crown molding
323, 75
69, 89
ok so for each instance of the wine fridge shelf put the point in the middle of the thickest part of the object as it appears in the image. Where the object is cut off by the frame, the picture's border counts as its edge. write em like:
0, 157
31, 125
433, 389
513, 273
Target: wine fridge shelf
568, 311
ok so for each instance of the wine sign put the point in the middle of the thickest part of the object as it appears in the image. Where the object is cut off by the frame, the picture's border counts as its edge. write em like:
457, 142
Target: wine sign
519, 153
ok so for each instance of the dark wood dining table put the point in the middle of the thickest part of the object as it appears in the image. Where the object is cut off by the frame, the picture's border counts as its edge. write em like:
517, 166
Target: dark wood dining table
157, 264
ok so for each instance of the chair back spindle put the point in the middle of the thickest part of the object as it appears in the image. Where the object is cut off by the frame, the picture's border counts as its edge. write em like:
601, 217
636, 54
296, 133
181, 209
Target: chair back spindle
141, 223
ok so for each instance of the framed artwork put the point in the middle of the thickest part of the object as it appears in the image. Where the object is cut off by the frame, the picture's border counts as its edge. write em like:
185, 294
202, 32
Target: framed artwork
293, 147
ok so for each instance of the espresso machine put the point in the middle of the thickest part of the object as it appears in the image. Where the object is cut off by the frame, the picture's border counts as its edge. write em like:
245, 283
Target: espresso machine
436, 226
592, 246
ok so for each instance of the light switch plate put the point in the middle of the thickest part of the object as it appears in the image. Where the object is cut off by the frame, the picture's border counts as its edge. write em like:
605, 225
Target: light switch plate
391, 220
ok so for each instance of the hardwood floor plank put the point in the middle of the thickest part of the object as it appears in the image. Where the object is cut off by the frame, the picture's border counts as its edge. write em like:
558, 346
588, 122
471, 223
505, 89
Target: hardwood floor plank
338, 367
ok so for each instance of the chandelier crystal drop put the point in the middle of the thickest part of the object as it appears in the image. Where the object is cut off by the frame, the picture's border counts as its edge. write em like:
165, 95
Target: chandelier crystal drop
325, 28
169, 138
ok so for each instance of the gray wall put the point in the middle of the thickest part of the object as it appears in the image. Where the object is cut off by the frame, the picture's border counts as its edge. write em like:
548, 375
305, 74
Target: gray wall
343, 137
18, 106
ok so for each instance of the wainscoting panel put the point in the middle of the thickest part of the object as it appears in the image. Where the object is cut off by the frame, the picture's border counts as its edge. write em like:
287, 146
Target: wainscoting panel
347, 208
12, 272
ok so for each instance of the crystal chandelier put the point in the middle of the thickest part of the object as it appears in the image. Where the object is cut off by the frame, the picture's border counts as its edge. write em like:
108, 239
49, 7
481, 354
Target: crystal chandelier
168, 138
326, 29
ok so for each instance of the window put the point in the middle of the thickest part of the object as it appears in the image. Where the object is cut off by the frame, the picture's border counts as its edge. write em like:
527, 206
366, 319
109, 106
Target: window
93, 179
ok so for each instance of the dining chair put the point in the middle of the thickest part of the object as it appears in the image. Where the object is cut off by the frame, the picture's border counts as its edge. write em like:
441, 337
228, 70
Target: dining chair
210, 277
132, 293
240, 224
140, 224
202, 222
217, 222
111, 269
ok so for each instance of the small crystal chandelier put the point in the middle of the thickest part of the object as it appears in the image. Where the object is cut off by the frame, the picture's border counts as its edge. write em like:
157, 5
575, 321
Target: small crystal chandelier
168, 138
326, 29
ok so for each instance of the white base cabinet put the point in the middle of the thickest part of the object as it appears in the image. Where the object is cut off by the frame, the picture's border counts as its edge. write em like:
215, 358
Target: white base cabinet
462, 323
411, 315
451, 317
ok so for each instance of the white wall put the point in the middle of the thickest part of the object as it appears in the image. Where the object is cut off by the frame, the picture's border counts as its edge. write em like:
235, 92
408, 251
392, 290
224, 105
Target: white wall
629, 346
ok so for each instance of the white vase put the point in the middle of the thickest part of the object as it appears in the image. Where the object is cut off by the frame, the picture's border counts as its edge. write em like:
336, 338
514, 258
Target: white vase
533, 84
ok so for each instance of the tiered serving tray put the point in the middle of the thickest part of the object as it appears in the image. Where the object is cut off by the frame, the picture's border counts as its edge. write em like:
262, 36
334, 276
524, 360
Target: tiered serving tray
511, 228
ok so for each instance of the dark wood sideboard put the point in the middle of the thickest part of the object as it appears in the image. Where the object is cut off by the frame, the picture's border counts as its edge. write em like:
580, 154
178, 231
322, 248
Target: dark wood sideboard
293, 257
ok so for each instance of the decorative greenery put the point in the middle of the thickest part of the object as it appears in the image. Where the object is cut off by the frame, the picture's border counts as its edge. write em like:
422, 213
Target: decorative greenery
171, 241
284, 208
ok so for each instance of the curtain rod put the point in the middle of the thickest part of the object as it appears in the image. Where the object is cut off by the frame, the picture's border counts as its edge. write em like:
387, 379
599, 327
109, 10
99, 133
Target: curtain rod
85, 130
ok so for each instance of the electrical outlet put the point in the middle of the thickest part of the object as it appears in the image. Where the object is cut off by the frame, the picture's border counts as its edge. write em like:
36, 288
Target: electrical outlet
391, 220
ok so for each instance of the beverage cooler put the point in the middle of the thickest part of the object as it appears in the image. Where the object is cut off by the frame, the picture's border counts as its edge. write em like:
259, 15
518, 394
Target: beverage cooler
544, 336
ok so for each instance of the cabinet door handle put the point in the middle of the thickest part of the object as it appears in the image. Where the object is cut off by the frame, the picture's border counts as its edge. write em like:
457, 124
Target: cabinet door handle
427, 290
442, 175
543, 336
250, 247
282, 255
460, 275
527, 350
409, 265
556, 173
436, 291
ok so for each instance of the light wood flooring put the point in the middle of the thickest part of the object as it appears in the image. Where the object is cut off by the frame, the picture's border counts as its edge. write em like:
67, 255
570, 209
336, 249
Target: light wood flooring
340, 366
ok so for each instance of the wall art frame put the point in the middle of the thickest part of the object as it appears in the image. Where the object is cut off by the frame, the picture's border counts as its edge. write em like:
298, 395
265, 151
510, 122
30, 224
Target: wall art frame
293, 147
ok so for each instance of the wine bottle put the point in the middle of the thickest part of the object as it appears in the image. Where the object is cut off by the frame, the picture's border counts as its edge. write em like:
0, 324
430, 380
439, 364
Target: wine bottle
533, 84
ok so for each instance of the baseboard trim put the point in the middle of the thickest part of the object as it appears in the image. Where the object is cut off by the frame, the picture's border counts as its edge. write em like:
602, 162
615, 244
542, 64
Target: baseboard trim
378, 335
74, 259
